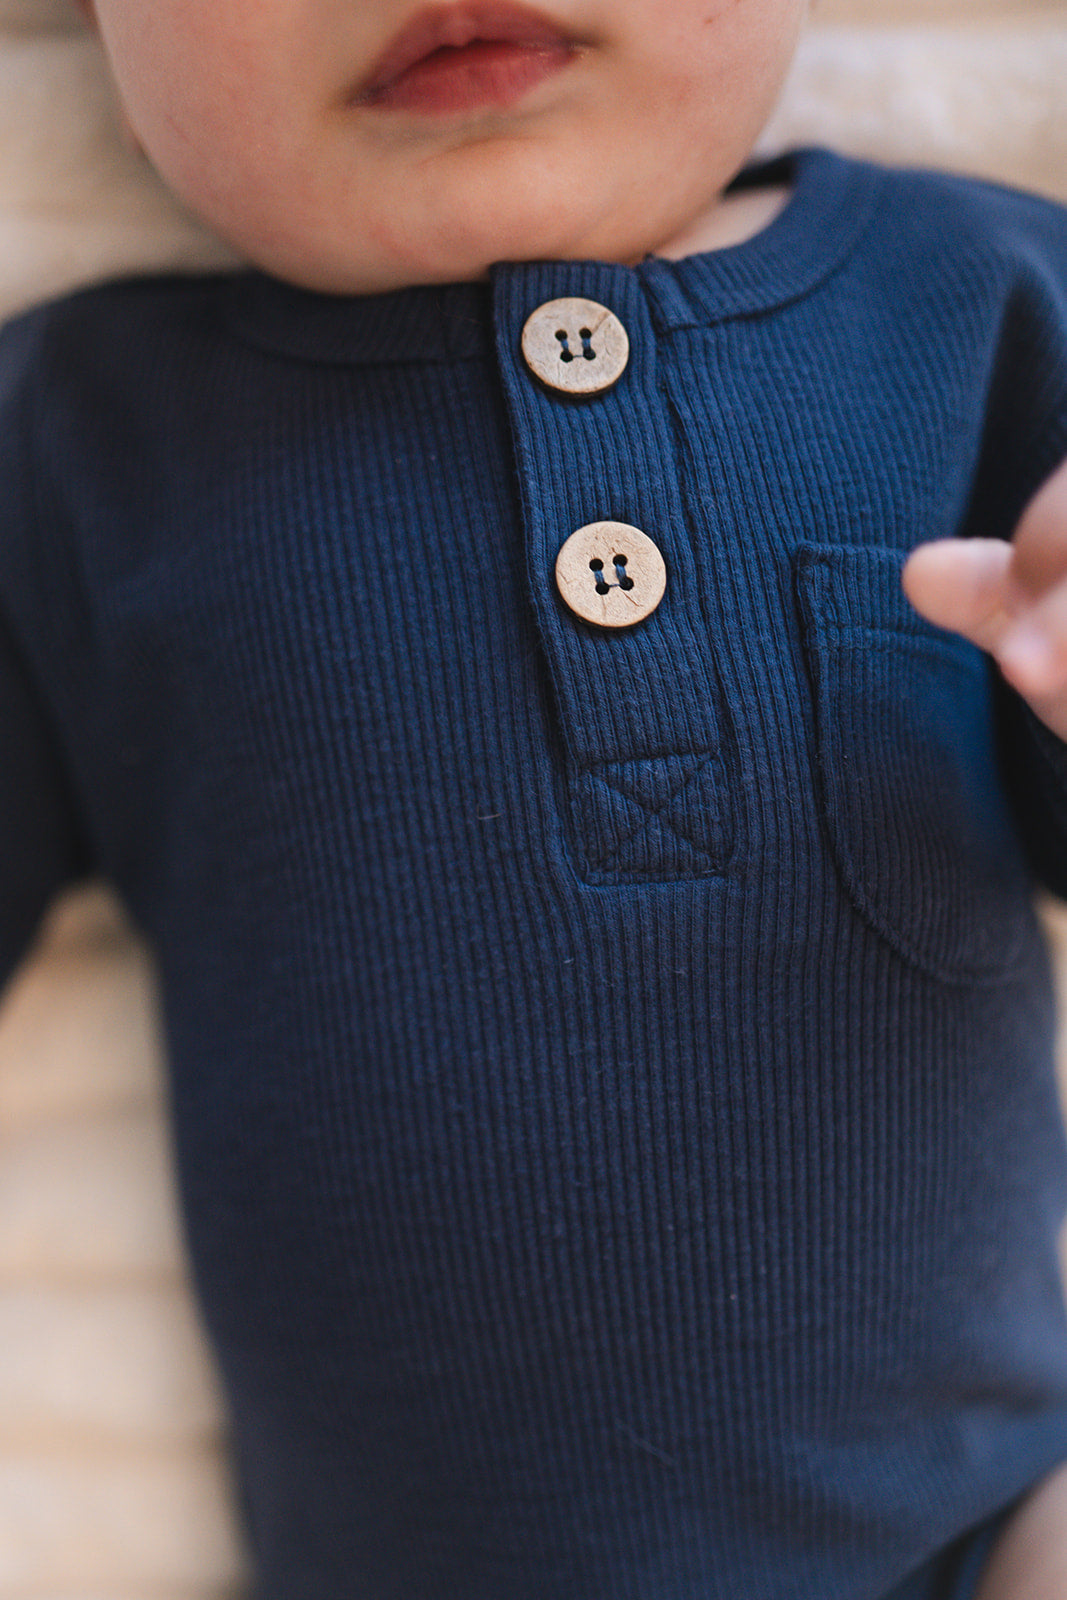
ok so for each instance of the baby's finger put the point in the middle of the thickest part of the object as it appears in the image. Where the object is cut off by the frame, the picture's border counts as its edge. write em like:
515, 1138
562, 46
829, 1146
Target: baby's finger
964, 585
1032, 651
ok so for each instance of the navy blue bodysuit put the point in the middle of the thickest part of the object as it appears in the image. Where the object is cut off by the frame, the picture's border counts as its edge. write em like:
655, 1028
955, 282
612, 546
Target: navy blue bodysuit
611, 1070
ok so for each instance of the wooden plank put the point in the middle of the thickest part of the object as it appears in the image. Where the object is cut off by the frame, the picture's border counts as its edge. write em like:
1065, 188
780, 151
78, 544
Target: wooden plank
919, 12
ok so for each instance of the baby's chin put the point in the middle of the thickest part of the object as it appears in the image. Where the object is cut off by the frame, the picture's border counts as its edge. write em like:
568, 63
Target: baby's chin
378, 252
352, 273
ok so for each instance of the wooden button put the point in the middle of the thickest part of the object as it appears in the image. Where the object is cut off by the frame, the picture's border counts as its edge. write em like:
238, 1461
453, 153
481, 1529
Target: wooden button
611, 574
575, 346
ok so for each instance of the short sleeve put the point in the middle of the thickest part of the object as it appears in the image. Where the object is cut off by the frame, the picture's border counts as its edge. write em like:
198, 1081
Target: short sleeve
42, 844
1025, 434
1024, 441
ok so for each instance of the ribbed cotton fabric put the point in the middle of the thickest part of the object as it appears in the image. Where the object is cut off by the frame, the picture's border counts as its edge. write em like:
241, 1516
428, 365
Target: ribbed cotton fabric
612, 1073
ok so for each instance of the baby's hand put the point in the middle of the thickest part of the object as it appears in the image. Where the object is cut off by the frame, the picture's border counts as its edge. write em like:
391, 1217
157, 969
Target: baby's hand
1009, 599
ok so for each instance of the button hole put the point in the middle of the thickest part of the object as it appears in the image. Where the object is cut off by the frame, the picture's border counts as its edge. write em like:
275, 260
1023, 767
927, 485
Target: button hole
566, 354
586, 335
625, 581
597, 566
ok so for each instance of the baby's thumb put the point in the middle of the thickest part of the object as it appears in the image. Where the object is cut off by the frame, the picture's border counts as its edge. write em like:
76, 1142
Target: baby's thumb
962, 584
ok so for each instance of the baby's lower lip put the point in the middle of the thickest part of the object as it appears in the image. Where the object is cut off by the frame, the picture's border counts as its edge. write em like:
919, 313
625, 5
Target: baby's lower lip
487, 72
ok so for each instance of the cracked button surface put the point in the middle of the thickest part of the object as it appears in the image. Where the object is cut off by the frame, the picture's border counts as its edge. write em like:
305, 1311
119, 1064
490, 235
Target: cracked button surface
611, 574
576, 347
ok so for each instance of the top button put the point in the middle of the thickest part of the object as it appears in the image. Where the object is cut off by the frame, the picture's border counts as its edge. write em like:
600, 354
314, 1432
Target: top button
575, 346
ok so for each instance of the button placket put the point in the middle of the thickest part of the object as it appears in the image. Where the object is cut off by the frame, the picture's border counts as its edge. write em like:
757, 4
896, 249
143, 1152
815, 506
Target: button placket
635, 695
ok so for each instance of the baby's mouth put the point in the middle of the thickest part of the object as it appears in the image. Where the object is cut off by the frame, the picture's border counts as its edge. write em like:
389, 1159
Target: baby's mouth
460, 57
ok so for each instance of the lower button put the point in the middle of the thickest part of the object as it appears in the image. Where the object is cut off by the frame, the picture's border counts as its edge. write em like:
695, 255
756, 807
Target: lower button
611, 574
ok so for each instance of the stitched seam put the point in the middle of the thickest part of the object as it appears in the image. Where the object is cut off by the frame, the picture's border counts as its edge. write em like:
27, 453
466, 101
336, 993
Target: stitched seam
649, 816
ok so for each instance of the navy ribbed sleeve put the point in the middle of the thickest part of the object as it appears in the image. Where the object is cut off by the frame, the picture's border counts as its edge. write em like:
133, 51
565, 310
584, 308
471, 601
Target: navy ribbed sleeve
42, 842
1025, 437
1025, 441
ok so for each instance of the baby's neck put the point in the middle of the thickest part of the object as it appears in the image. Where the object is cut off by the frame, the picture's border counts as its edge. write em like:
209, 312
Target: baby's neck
733, 219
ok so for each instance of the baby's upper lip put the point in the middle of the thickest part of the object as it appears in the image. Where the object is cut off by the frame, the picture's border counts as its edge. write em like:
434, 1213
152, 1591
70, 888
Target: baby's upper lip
441, 26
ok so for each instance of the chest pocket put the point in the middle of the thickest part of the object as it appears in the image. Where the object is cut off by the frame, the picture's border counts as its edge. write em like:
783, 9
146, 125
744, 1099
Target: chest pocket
907, 770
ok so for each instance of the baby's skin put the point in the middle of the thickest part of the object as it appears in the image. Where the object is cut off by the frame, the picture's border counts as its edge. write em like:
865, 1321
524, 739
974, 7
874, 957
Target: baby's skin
358, 148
